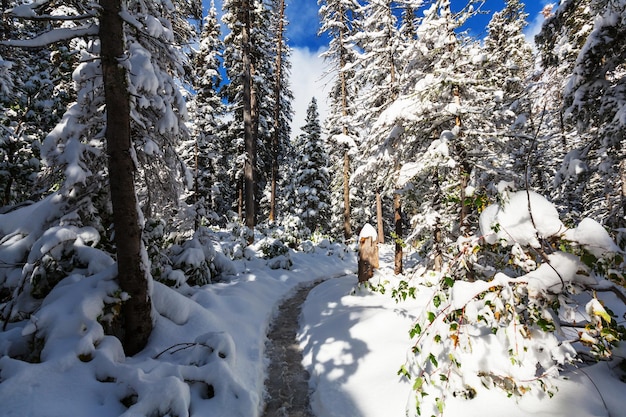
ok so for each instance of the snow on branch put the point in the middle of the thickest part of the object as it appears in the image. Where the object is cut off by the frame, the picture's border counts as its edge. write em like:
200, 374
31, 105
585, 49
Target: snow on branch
29, 12
53, 36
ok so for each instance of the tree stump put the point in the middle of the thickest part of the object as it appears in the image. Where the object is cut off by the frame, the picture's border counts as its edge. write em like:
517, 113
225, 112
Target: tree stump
368, 253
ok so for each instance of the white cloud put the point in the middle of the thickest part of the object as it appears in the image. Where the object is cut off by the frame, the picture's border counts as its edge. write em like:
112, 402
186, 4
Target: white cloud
307, 81
536, 22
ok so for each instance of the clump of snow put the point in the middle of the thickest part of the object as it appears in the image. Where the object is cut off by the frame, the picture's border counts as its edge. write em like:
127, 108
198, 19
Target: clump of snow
368, 231
524, 218
592, 236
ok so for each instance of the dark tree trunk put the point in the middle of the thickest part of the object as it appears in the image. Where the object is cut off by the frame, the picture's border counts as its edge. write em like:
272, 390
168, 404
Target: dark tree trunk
397, 221
277, 108
132, 274
379, 217
347, 230
248, 119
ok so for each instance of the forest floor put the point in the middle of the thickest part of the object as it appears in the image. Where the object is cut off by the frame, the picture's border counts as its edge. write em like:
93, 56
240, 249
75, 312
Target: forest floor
287, 384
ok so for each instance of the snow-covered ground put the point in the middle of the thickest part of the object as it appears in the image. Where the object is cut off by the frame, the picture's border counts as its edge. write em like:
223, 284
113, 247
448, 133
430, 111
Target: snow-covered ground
355, 341
206, 354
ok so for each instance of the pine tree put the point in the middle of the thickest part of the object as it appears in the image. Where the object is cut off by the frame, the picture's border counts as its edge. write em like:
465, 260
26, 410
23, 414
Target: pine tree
338, 17
281, 99
310, 197
429, 130
594, 100
206, 152
116, 99
41, 91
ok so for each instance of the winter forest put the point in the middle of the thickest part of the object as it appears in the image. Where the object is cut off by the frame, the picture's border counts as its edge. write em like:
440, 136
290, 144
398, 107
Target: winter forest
149, 171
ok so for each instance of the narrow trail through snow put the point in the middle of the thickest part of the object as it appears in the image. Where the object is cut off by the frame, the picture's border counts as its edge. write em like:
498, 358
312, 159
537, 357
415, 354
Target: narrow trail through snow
287, 385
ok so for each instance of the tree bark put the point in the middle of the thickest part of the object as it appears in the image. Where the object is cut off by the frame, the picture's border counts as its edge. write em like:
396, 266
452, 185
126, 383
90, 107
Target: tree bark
347, 229
133, 275
277, 109
368, 258
379, 217
248, 120
397, 222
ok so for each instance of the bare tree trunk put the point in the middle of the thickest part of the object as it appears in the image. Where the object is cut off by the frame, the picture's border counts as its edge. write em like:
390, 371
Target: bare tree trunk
133, 275
379, 217
437, 234
622, 168
277, 109
347, 229
248, 120
464, 171
397, 222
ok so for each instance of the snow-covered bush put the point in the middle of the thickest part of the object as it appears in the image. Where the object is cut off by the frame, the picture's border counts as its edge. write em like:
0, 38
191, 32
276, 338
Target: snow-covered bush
531, 309
291, 231
178, 259
276, 253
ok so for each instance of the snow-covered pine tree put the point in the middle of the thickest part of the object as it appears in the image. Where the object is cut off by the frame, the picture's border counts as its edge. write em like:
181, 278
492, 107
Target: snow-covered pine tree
282, 108
145, 85
376, 71
506, 68
249, 66
157, 37
310, 187
563, 154
595, 102
41, 90
427, 132
337, 21
206, 153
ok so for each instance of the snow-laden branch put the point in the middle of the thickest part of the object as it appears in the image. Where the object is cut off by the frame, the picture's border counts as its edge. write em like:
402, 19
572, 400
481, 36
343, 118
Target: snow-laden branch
28, 11
53, 36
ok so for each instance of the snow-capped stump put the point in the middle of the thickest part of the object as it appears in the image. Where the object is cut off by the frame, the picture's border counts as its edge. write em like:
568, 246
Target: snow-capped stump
368, 252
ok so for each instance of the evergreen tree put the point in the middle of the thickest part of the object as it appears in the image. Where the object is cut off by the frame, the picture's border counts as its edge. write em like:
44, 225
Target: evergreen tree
338, 18
310, 197
206, 152
428, 131
41, 90
595, 99
281, 99
115, 97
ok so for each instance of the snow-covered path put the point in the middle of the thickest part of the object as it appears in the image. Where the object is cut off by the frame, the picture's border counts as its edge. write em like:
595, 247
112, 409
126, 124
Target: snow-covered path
287, 383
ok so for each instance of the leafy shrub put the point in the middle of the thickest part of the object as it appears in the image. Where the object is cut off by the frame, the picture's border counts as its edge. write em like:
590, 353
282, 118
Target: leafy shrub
530, 309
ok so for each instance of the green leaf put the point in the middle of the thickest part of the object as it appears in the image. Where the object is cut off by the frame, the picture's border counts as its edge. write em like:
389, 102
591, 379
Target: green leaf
404, 372
431, 316
433, 360
416, 330
437, 300
417, 385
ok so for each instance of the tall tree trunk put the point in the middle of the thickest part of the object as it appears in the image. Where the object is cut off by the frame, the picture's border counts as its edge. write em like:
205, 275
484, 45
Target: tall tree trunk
437, 234
379, 217
133, 275
347, 229
464, 171
248, 120
277, 108
397, 223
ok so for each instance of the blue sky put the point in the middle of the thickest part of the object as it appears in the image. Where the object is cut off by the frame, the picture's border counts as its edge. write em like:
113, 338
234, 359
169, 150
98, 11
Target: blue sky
307, 68
304, 20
